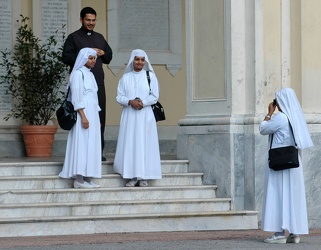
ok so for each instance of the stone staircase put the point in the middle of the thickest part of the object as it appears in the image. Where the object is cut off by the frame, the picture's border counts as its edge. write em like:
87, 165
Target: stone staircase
35, 202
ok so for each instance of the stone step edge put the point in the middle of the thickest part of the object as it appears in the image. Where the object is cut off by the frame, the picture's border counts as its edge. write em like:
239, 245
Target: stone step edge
104, 176
111, 189
128, 216
4, 163
115, 202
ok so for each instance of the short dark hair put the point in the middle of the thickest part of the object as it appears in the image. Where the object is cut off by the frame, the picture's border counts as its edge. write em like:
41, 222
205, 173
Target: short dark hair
87, 10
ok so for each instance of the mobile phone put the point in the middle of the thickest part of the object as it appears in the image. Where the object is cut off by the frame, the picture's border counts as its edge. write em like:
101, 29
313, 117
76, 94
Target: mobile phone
274, 102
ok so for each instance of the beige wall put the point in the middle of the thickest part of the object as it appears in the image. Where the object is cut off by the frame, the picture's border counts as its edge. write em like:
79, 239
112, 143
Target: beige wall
272, 47
305, 51
173, 89
209, 51
311, 54
296, 70
305, 64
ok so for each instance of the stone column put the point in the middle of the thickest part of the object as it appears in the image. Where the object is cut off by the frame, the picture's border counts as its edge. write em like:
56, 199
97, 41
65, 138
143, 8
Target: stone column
224, 78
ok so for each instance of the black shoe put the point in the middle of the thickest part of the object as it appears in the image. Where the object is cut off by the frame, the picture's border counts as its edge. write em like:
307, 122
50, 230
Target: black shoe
103, 158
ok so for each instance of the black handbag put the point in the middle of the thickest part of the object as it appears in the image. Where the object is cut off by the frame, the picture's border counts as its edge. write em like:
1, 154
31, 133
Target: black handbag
66, 115
283, 157
157, 108
158, 112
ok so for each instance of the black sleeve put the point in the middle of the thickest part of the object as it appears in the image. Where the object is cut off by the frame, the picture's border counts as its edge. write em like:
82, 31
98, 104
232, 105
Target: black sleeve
69, 53
106, 58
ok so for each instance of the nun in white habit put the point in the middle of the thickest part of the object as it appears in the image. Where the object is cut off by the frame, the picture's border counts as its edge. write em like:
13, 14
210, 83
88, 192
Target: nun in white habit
284, 203
83, 152
137, 154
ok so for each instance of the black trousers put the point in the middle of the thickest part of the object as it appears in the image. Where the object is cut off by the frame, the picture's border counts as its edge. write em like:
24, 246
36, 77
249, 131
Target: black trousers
102, 114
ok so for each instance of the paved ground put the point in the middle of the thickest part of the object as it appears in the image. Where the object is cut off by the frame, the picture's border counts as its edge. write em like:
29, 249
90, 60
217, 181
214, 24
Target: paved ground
241, 240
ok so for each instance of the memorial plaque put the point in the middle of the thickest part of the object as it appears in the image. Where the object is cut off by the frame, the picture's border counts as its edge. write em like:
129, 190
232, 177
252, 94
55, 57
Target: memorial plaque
54, 18
144, 22
5, 43
152, 25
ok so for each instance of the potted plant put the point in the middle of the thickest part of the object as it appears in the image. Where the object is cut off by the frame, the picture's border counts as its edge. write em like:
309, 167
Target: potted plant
34, 77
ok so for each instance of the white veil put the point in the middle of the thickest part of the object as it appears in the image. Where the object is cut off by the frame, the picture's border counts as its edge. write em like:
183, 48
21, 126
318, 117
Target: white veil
81, 60
289, 104
138, 52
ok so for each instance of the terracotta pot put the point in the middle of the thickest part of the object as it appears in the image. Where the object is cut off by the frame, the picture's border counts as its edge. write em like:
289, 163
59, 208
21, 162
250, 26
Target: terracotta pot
38, 139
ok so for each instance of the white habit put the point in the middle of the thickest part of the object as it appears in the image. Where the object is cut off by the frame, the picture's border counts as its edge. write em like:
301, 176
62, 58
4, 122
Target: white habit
83, 152
284, 202
137, 152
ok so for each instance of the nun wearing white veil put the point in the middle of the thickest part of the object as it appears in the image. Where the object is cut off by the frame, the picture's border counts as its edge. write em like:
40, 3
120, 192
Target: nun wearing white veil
284, 202
137, 154
83, 152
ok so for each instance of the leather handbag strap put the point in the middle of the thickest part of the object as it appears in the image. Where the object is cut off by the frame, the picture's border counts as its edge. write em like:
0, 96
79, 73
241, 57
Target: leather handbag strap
148, 79
291, 132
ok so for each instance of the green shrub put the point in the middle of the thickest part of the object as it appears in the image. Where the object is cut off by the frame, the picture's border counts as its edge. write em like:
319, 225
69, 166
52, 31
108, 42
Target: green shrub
34, 75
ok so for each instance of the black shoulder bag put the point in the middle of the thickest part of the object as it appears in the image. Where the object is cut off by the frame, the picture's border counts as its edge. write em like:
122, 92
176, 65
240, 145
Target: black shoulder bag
284, 157
66, 115
157, 108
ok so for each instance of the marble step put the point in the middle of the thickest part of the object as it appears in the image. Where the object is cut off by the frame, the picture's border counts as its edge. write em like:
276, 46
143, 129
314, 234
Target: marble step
106, 194
111, 180
34, 201
14, 168
116, 207
152, 222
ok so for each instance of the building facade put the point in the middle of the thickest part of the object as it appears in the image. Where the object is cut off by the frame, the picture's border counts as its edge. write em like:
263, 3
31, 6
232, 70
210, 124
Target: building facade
219, 63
